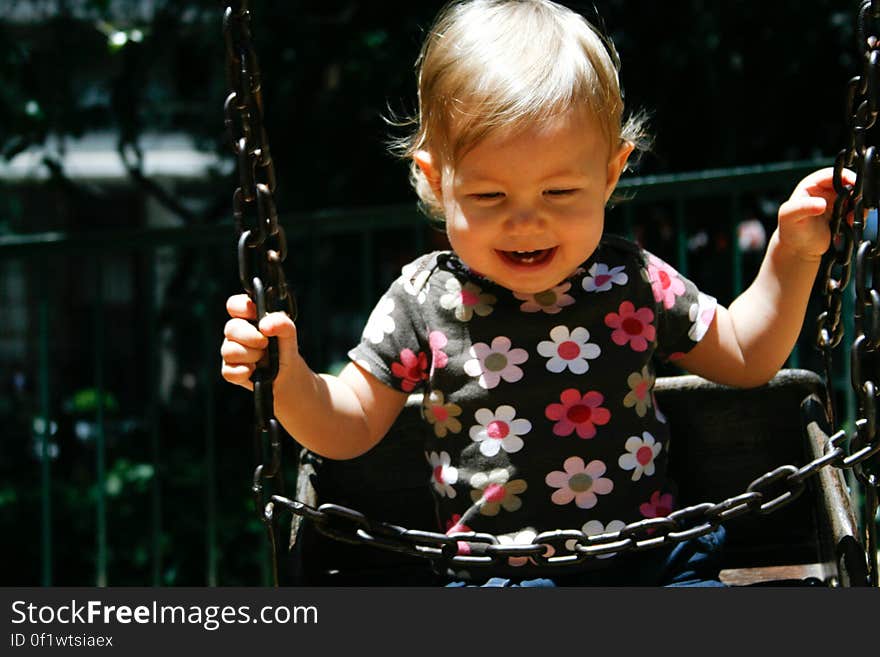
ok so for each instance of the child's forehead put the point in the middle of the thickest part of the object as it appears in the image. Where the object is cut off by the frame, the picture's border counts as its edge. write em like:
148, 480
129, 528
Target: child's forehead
571, 131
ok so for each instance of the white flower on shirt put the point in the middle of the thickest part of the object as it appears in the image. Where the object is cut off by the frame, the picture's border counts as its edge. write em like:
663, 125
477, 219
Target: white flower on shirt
492, 364
568, 350
443, 475
602, 278
499, 430
701, 315
413, 280
380, 323
595, 528
466, 300
525, 537
640, 455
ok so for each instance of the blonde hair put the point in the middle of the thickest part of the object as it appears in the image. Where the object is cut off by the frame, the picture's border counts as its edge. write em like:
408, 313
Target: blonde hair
488, 64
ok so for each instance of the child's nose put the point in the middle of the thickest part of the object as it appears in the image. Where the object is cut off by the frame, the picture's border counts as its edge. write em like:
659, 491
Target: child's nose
524, 220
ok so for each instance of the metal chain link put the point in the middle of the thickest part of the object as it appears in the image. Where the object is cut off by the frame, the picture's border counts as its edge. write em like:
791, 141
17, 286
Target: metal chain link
262, 247
263, 279
766, 494
856, 248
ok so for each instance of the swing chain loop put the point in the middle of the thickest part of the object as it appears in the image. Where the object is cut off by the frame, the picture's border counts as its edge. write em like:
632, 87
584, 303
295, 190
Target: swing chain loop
868, 19
838, 270
734, 507
701, 527
649, 533
261, 248
569, 546
789, 474
544, 552
855, 245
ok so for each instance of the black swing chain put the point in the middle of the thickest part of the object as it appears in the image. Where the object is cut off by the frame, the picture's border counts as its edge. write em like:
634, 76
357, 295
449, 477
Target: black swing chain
855, 255
262, 248
767, 493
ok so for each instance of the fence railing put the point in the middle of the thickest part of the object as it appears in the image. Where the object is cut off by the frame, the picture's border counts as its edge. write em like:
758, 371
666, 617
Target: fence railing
117, 355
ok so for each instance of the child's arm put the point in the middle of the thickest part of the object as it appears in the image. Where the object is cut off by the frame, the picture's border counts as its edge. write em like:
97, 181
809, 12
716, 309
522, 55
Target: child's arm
748, 343
337, 417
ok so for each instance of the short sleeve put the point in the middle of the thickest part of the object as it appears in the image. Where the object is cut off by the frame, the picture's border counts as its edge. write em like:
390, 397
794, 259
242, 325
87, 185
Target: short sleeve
684, 313
392, 346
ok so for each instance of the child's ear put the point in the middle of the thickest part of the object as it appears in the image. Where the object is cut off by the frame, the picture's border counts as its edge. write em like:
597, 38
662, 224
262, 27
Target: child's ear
616, 165
430, 170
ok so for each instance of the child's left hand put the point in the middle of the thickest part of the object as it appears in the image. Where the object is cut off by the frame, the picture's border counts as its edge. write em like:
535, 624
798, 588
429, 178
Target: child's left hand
804, 217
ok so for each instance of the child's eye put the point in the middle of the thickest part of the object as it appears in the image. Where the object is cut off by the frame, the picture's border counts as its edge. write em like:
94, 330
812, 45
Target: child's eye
488, 196
556, 193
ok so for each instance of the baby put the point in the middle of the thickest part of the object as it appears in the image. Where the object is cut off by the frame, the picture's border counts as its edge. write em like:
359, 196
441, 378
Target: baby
533, 339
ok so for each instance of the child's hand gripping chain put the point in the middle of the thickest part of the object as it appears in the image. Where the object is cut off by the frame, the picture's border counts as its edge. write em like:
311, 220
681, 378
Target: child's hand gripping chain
245, 344
748, 343
804, 217
338, 417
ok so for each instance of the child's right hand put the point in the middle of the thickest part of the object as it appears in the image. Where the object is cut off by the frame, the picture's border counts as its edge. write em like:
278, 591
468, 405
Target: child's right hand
245, 345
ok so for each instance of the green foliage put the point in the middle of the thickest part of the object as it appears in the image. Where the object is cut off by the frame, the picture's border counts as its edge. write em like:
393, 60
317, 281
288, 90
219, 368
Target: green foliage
8, 495
89, 399
128, 478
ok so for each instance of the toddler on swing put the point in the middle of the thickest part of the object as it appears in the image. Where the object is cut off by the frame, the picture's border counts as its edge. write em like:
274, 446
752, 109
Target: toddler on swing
533, 339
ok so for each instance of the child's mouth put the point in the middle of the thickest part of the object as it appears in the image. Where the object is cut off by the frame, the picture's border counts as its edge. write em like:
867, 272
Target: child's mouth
528, 258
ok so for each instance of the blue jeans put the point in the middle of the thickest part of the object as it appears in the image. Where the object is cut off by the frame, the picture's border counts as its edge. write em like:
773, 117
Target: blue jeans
690, 563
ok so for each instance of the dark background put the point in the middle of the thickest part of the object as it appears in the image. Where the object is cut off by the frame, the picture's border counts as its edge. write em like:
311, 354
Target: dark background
727, 83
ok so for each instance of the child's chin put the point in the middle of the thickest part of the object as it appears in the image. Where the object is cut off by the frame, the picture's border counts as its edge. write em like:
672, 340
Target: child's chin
521, 287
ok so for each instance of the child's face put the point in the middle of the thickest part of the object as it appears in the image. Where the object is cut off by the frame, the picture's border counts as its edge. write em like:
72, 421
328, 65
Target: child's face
525, 209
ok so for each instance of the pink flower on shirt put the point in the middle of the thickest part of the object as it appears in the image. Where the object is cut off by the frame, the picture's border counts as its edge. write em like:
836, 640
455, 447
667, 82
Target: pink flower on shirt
632, 326
579, 483
492, 364
412, 369
549, 301
665, 281
578, 412
436, 340
659, 506
455, 526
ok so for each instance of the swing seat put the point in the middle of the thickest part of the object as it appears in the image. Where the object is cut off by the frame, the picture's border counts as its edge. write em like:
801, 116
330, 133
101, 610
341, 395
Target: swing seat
724, 438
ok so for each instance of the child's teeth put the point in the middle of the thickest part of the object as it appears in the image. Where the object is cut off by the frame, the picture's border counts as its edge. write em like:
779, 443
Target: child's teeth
527, 257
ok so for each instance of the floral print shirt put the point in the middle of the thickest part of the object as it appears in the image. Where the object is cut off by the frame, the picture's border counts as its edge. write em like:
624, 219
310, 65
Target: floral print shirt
539, 408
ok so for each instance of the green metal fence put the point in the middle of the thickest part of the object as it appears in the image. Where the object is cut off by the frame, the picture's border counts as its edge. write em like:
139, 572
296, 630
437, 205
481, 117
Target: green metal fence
114, 294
